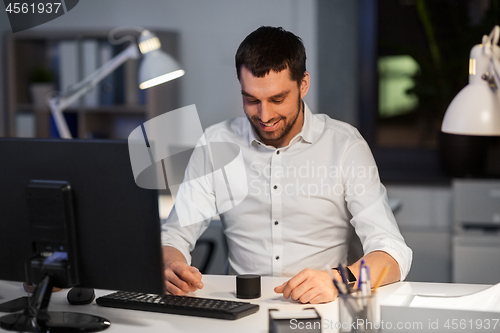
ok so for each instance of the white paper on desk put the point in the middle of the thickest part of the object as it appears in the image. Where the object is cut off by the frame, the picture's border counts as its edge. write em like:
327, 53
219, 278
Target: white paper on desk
485, 300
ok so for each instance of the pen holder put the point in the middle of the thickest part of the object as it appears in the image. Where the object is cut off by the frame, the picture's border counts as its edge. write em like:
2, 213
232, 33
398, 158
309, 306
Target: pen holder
358, 313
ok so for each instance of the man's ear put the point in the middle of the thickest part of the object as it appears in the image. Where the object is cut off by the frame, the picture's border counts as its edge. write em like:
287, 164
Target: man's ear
305, 84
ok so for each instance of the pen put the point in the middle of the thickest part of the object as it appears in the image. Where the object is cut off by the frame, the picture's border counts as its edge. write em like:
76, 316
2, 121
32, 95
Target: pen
329, 271
339, 285
368, 280
347, 299
363, 278
343, 290
380, 278
362, 281
360, 276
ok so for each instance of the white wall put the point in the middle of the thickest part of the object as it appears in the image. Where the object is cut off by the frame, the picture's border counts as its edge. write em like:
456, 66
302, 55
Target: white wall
210, 32
338, 44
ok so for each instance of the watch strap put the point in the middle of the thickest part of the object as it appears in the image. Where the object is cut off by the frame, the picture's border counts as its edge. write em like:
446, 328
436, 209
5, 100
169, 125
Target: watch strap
350, 277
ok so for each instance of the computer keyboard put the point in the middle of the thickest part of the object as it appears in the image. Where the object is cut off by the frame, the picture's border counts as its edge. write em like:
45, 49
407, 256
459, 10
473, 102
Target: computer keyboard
182, 305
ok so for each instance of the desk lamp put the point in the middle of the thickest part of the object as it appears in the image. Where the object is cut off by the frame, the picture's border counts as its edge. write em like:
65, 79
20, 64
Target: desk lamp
157, 67
475, 110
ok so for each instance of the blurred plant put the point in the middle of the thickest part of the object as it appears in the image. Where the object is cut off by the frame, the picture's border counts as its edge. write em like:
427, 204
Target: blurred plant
40, 74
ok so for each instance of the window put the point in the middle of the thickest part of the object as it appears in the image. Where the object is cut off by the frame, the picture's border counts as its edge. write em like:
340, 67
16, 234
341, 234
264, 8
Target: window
413, 61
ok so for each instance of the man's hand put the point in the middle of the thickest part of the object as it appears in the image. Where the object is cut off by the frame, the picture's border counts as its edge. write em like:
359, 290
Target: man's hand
309, 286
180, 278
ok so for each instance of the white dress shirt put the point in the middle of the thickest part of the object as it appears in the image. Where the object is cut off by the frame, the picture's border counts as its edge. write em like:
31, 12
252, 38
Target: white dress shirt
301, 199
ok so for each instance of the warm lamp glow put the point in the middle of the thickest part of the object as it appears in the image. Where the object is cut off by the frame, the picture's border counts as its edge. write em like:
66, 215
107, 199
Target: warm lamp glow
161, 79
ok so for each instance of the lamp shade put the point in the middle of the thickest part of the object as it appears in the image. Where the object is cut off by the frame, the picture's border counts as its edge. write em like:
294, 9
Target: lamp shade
474, 111
158, 67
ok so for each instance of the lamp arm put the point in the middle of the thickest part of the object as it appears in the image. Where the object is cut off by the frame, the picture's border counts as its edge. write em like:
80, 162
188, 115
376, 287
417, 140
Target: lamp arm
69, 97
490, 48
495, 71
58, 103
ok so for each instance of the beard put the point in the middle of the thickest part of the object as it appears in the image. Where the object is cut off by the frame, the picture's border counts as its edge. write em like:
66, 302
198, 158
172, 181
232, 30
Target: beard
279, 133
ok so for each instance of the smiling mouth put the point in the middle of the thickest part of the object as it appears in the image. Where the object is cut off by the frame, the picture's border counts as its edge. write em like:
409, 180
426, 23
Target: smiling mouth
269, 127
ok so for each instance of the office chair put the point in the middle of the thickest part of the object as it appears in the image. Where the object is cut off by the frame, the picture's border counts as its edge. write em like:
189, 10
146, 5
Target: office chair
202, 255
210, 253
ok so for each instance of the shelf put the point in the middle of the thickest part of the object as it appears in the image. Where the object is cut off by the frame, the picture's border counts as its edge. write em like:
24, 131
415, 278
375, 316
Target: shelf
123, 106
117, 109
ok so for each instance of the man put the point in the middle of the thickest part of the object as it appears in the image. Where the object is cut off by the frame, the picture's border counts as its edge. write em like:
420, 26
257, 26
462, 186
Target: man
309, 176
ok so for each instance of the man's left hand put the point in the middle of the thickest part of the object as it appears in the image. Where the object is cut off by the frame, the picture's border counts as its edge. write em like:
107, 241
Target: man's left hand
309, 286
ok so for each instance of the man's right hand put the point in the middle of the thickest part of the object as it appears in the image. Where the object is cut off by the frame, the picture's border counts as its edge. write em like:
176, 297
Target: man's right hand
180, 278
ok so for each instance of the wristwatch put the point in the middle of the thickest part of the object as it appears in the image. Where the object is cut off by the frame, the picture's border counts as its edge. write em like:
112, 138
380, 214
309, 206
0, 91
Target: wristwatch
351, 279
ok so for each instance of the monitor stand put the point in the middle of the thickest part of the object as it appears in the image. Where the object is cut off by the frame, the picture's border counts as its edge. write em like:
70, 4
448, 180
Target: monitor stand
36, 318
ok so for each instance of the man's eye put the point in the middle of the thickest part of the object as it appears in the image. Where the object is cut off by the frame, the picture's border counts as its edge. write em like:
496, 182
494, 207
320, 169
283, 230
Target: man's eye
278, 101
252, 101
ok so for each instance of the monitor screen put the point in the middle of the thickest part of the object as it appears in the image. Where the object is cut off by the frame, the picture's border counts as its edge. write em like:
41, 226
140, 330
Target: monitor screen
117, 223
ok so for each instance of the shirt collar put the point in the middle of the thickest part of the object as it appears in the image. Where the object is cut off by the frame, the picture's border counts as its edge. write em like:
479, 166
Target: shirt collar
306, 133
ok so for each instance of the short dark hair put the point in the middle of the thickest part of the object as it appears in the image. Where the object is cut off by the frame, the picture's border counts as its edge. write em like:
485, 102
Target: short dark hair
270, 48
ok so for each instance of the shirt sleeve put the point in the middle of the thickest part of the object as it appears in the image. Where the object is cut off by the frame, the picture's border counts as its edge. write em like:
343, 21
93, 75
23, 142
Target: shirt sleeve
366, 198
183, 238
194, 206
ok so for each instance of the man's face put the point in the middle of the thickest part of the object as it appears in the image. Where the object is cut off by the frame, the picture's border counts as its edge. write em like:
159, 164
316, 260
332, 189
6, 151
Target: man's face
273, 105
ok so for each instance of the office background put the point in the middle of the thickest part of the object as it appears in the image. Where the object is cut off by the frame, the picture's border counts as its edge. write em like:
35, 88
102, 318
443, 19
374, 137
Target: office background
210, 32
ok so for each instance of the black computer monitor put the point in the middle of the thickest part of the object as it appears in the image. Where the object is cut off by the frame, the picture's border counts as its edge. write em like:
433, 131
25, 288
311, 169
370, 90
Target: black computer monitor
117, 222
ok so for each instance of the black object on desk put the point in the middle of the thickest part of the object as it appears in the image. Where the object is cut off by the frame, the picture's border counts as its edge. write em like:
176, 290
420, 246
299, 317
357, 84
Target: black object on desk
80, 296
248, 286
182, 305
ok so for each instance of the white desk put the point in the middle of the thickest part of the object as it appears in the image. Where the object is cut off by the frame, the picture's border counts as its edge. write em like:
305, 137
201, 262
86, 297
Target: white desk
223, 287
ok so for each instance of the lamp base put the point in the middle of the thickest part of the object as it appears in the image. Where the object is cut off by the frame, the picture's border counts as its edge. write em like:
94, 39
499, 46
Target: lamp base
36, 318
54, 322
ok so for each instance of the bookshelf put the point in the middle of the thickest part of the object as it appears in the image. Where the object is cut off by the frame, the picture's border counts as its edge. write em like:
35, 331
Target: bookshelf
112, 111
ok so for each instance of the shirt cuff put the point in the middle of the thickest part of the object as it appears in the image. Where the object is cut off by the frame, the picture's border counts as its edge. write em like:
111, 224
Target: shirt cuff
180, 245
401, 253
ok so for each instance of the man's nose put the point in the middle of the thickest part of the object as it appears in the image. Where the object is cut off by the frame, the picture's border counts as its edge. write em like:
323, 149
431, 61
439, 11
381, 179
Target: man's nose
265, 112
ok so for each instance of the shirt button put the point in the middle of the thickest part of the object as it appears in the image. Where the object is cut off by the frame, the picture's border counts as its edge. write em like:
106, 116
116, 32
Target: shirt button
277, 152
277, 257
275, 186
276, 222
